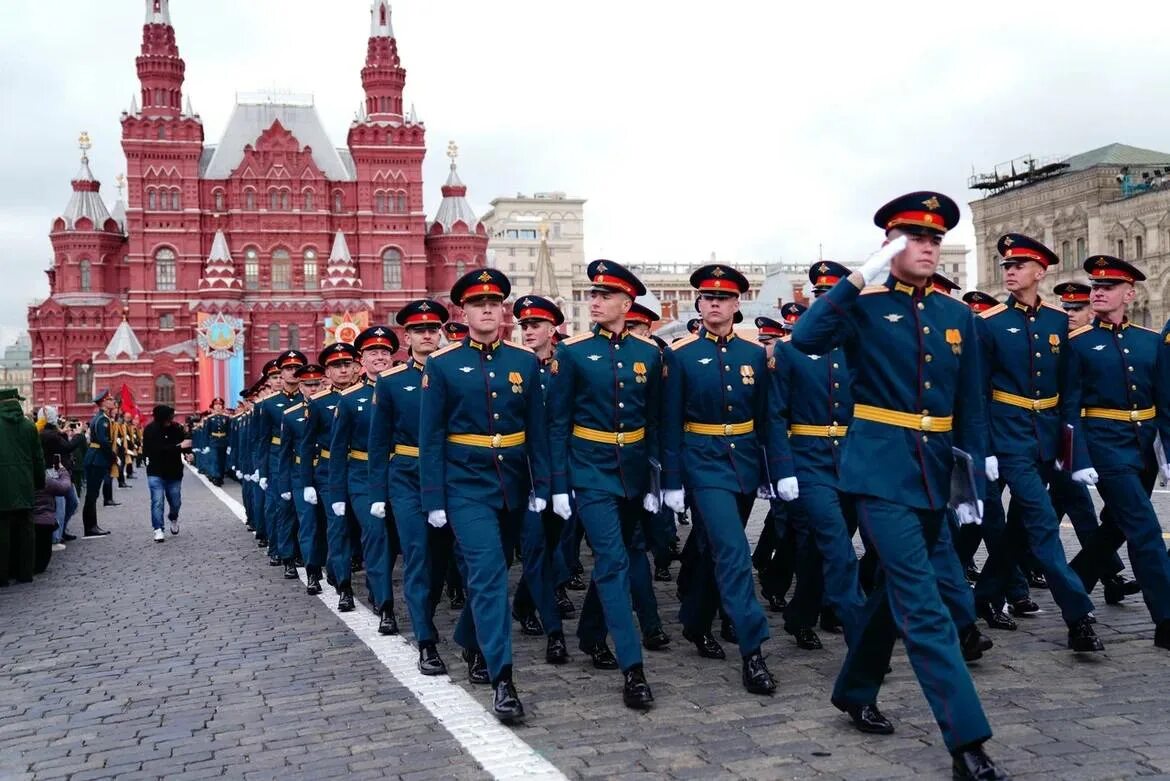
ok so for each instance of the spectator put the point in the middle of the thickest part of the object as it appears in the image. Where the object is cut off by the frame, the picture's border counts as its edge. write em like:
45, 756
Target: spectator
164, 443
60, 453
44, 515
79, 439
22, 473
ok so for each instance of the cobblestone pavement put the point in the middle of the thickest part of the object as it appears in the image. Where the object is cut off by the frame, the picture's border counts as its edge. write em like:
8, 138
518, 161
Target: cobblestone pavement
194, 659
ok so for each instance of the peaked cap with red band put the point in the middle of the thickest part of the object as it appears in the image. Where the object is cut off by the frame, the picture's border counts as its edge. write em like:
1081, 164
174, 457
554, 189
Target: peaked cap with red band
1016, 247
1073, 295
377, 336
826, 273
480, 283
919, 212
310, 371
942, 284
422, 312
791, 312
769, 327
610, 275
271, 368
455, 331
1108, 270
337, 352
537, 308
640, 313
978, 301
716, 279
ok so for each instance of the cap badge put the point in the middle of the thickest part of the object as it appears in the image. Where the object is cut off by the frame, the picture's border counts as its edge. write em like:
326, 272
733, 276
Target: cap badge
424, 307
1008, 241
484, 277
931, 203
526, 302
823, 268
601, 268
379, 332
718, 272
1101, 262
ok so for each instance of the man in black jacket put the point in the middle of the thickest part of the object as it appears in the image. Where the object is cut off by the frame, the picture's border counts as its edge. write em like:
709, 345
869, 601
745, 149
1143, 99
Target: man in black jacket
164, 443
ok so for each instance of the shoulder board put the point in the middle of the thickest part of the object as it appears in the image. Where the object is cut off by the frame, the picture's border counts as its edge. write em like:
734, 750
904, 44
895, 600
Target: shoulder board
684, 341
1081, 330
1054, 307
1143, 328
357, 386
786, 338
447, 349
394, 370
520, 347
872, 289
321, 394
294, 407
995, 310
645, 339
578, 338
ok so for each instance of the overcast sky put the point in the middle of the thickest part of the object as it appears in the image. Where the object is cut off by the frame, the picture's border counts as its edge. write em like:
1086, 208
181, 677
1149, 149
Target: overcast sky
756, 130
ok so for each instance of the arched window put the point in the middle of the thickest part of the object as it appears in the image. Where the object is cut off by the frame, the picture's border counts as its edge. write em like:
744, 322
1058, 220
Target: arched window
273, 200
1121, 248
219, 201
164, 269
274, 337
151, 199
400, 206
176, 202
162, 131
250, 199
460, 269
1081, 251
294, 337
285, 200
379, 202
338, 201
251, 268
1138, 248
164, 390
310, 269
86, 282
391, 269
281, 270
82, 382
308, 201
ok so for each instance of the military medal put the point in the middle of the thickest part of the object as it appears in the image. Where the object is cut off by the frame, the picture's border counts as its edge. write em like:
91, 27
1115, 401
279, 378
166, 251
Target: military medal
1054, 341
517, 382
747, 375
639, 371
955, 340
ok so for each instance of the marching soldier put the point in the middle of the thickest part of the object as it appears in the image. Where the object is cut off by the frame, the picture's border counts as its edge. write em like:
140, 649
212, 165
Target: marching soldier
394, 477
215, 429
484, 460
897, 461
295, 474
258, 452
98, 460
341, 370
1024, 342
718, 443
1116, 400
349, 470
604, 409
280, 514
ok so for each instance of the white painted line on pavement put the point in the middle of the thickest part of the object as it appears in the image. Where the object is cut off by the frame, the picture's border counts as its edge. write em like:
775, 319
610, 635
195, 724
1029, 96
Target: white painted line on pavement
497, 749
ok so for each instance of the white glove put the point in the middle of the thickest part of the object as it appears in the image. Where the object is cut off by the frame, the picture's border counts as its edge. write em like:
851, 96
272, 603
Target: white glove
240, 475
263, 483
651, 503
287, 496
206, 450
229, 450
1165, 473
378, 509
877, 266
970, 513
1085, 476
437, 518
787, 488
256, 476
338, 508
561, 506
310, 494
991, 468
675, 499
536, 504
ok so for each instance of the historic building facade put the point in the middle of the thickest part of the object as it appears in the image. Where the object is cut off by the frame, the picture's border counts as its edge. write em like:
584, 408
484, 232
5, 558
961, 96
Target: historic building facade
273, 227
1114, 200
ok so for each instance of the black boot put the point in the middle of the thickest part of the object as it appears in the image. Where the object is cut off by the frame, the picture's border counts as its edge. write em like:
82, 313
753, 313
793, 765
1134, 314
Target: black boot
662, 574
807, 640
565, 605
313, 576
727, 631
429, 661
603, 658
529, 624
1082, 638
706, 644
1023, 607
636, 692
756, 677
290, 570
868, 719
975, 765
476, 667
388, 623
505, 703
1162, 635
345, 602
556, 652
973, 643
995, 617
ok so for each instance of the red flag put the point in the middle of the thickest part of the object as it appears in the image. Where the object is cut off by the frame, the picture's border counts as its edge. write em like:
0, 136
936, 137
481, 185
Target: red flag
127, 399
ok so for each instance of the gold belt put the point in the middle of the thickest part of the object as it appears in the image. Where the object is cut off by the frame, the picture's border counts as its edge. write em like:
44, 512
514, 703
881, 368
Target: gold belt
406, 450
218, 434
1024, 402
296, 459
275, 440
95, 446
323, 454
903, 419
802, 430
487, 440
1124, 415
359, 455
610, 437
721, 429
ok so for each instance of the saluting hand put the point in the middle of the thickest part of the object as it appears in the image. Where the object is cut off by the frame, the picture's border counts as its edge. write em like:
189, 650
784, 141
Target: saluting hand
877, 266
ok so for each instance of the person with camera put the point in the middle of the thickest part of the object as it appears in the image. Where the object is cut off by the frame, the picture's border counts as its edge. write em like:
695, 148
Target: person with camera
59, 447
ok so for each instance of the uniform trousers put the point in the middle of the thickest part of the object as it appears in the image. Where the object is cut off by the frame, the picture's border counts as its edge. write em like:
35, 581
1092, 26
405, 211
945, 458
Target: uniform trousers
538, 552
989, 532
948, 571
379, 563
426, 551
485, 537
339, 541
95, 477
591, 627
217, 462
1033, 526
604, 516
281, 514
775, 554
1073, 500
310, 526
724, 568
826, 569
905, 602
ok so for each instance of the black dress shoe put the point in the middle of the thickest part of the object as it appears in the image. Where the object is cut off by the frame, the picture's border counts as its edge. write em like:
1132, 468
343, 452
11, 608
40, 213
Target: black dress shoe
868, 719
96, 531
830, 623
68, 537
995, 617
727, 631
662, 574
330, 580
113, 504
290, 571
574, 583
757, 679
807, 640
274, 561
706, 644
248, 525
388, 624
974, 765
313, 584
1023, 607
775, 604
971, 573
556, 652
603, 658
636, 692
261, 542
657, 640
357, 565
529, 625
298, 561
1162, 636
1082, 638
973, 643
345, 602
429, 661
476, 667
1118, 588
565, 605
1036, 579
505, 703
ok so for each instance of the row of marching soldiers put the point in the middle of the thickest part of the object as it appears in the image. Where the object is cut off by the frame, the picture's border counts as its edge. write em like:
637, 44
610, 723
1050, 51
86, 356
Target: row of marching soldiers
853, 422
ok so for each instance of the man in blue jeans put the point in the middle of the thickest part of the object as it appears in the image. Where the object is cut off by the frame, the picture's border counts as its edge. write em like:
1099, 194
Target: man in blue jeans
164, 443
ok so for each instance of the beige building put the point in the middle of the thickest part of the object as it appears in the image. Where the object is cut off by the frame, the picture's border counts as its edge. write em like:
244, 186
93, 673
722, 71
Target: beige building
16, 369
953, 265
1114, 200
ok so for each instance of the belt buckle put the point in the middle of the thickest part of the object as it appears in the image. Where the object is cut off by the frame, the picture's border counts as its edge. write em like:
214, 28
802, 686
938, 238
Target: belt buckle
925, 423
497, 440
620, 437
727, 429
1036, 405
1133, 415
833, 430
